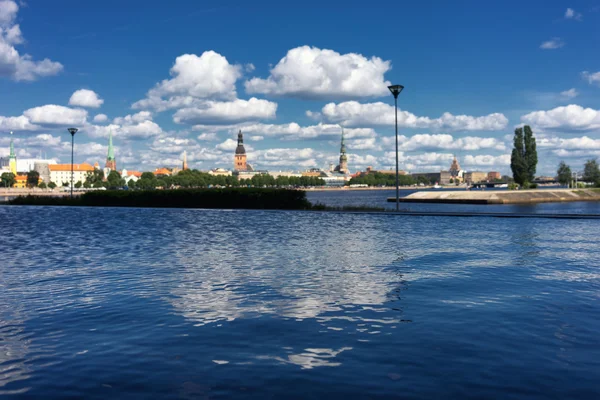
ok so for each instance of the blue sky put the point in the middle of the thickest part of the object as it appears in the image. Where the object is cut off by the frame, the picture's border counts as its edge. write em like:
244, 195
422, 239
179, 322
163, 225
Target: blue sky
166, 77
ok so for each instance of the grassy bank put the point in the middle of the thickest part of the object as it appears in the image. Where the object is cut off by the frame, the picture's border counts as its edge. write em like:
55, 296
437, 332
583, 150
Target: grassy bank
230, 198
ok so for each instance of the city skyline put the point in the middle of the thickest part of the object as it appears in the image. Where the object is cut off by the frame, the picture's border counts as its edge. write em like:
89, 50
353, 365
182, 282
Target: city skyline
182, 89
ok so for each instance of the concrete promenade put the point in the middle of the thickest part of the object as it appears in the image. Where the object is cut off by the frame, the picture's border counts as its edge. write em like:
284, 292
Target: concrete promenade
502, 197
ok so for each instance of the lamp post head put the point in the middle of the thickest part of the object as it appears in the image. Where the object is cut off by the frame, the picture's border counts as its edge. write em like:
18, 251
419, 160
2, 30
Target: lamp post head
396, 89
72, 131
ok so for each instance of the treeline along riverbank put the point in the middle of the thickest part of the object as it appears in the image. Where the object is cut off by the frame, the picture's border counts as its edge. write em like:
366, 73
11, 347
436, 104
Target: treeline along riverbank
232, 198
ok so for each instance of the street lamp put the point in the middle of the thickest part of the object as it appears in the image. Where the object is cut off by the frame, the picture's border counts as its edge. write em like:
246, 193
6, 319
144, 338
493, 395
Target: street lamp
72, 131
396, 89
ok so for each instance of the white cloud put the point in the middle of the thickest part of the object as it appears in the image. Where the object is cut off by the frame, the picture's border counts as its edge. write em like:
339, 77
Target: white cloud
12, 64
554, 43
20, 123
210, 136
295, 131
362, 144
101, 118
569, 94
572, 14
486, 160
313, 73
215, 112
85, 98
579, 143
52, 114
571, 117
593, 78
227, 145
134, 118
353, 114
444, 141
172, 145
209, 76
256, 138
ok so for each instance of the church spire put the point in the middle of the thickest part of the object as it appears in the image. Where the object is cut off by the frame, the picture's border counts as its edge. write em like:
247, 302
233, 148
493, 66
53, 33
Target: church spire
185, 165
111, 162
343, 147
12, 163
12, 147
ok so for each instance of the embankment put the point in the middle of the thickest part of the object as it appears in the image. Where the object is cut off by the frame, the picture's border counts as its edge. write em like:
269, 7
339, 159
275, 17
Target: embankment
502, 197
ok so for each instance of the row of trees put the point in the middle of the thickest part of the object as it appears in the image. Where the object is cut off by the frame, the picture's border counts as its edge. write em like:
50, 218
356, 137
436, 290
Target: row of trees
379, 179
591, 173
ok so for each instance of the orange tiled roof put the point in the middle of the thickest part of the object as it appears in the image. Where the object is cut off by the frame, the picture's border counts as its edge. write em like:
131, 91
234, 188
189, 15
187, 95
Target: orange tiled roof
67, 167
137, 174
21, 178
162, 171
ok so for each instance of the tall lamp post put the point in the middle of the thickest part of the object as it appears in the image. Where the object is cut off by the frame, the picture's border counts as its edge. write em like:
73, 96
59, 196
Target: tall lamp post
396, 89
72, 131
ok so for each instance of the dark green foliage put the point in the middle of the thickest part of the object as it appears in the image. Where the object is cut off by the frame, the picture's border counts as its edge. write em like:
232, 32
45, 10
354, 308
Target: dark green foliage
591, 172
379, 179
42, 185
94, 178
7, 179
78, 185
523, 160
563, 174
52, 185
114, 180
33, 178
230, 198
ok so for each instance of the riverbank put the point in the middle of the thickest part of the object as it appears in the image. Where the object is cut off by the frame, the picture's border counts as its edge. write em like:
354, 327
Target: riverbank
502, 197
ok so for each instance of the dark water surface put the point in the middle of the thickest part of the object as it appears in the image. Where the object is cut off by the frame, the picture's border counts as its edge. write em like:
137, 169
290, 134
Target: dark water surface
153, 303
378, 198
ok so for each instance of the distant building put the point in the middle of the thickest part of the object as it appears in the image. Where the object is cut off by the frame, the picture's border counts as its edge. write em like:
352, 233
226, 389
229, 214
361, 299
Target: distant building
249, 174
455, 168
219, 172
61, 173
185, 164
432, 177
43, 168
24, 165
111, 161
239, 160
342, 167
492, 176
277, 174
20, 181
314, 172
12, 158
162, 171
475, 177
370, 170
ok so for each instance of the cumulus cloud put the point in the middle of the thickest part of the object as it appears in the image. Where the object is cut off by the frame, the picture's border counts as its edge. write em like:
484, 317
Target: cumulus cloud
19, 67
579, 143
209, 76
85, 98
572, 14
313, 73
209, 136
355, 114
20, 123
256, 138
235, 111
486, 160
444, 141
593, 78
134, 118
571, 117
554, 43
129, 127
101, 118
53, 114
295, 131
227, 145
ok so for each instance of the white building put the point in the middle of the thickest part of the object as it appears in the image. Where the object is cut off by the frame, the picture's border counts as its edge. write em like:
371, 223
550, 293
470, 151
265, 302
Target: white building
277, 174
60, 173
24, 165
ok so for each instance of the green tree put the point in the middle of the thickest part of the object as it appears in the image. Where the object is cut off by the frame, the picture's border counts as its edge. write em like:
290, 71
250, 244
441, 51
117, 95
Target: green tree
33, 178
94, 177
78, 185
591, 172
87, 184
8, 179
52, 185
42, 185
114, 180
564, 174
523, 160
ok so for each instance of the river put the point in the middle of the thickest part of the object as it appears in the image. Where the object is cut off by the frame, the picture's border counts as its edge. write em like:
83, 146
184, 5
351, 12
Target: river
114, 303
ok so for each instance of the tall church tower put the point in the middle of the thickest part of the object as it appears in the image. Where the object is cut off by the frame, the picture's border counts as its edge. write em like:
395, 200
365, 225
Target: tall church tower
343, 165
12, 163
185, 165
239, 161
111, 162
454, 167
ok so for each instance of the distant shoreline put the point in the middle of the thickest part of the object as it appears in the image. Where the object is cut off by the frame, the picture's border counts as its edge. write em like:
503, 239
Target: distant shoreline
346, 188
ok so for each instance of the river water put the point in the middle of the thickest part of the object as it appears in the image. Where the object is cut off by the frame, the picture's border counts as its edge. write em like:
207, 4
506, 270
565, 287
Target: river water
170, 303
378, 198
